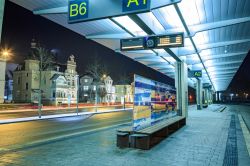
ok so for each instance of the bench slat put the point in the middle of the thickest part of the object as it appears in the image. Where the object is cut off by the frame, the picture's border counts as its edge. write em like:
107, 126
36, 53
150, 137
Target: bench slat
159, 126
125, 129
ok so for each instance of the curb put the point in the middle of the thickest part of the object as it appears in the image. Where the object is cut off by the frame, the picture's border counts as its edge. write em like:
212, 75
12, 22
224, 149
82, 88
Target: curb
222, 109
46, 117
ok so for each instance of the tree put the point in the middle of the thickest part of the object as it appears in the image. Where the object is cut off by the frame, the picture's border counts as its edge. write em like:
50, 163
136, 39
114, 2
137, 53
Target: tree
45, 57
102, 92
97, 70
46, 61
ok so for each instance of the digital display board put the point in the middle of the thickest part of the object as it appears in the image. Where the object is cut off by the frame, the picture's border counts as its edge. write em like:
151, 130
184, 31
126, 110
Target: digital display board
153, 42
153, 102
132, 44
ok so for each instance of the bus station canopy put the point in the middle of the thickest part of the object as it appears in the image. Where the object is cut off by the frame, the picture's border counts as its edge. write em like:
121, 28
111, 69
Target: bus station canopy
217, 34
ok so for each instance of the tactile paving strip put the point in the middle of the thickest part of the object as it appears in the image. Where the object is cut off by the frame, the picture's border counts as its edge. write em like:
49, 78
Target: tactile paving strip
231, 154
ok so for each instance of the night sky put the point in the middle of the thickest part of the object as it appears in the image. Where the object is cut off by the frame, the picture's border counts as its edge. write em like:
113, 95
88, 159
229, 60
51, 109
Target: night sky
21, 26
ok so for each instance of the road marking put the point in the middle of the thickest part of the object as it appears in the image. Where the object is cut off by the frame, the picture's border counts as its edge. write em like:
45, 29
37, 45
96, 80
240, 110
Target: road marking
35, 118
246, 133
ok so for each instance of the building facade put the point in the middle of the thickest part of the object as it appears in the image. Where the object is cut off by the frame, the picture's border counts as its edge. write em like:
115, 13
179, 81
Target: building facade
8, 91
90, 90
57, 87
124, 93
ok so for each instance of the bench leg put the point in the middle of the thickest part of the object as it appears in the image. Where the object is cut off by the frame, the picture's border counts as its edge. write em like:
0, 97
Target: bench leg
122, 140
140, 142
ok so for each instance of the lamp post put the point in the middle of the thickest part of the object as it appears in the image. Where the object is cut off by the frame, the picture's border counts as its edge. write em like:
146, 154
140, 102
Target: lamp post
40, 86
77, 94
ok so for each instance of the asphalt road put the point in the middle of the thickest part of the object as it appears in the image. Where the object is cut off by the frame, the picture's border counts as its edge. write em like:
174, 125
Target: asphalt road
22, 114
15, 134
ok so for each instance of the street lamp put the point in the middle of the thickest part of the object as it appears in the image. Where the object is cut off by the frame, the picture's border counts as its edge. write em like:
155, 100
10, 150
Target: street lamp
6, 53
231, 95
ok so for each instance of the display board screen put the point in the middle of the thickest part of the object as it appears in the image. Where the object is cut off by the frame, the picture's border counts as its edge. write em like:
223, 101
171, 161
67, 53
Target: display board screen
153, 102
152, 42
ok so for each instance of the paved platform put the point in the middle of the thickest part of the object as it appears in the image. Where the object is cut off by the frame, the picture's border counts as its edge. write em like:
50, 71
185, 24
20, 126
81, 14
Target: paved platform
204, 141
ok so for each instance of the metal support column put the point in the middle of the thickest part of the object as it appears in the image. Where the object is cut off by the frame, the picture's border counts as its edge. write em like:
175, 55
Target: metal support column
199, 94
181, 85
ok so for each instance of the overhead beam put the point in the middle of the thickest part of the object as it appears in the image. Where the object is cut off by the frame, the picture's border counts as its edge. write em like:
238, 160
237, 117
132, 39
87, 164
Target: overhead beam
226, 55
56, 10
223, 69
222, 44
156, 64
108, 36
224, 78
223, 63
186, 51
144, 57
224, 59
223, 72
194, 29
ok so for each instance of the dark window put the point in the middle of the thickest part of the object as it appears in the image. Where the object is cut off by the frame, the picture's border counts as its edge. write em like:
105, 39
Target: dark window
27, 86
18, 80
54, 94
27, 74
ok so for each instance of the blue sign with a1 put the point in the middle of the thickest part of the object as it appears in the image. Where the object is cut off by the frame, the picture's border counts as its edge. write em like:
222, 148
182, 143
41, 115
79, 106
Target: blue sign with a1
133, 5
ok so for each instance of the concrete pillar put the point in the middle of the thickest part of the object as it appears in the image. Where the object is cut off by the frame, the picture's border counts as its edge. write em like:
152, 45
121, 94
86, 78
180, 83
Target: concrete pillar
2, 60
210, 97
181, 84
199, 94
2, 79
217, 96
206, 96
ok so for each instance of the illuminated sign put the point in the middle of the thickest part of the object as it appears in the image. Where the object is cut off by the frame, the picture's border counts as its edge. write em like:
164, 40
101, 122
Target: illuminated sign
134, 5
78, 10
87, 10
153, 42
196, 74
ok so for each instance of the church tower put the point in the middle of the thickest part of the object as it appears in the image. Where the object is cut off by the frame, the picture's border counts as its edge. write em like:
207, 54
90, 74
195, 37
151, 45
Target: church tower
71, 65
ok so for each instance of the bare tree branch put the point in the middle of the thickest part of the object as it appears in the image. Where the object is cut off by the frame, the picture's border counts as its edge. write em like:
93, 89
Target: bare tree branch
46, 58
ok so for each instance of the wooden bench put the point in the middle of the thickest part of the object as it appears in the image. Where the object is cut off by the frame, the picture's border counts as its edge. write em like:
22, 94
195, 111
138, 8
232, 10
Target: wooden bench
123, 137
150, 136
